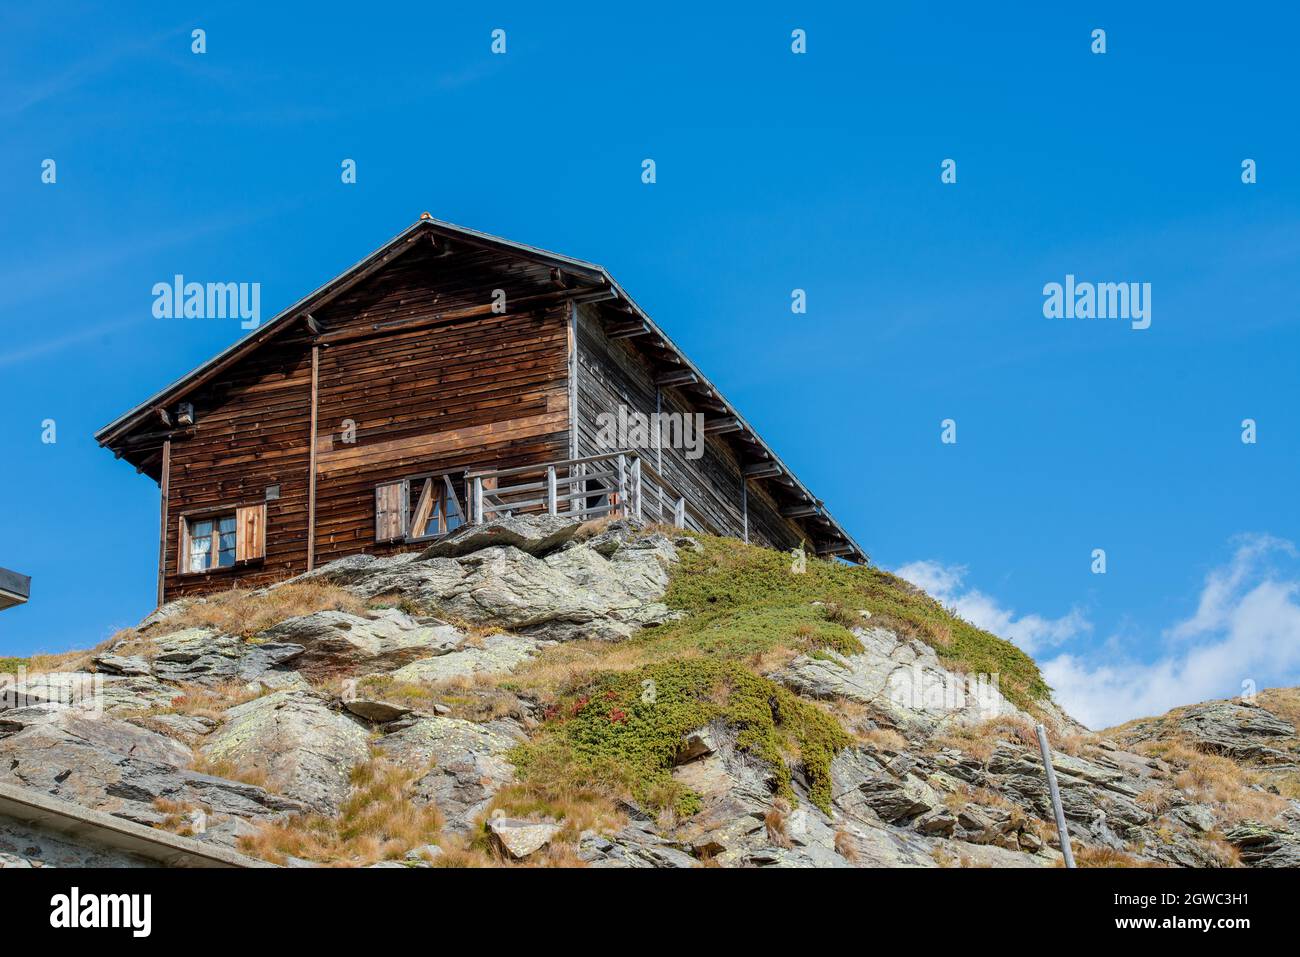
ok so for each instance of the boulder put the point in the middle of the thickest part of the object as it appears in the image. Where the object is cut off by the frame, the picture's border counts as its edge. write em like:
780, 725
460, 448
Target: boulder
111, 765
205, 657
462, 764
337, 642
636, 845
696, 745
1263, 846
1240, 731
305, 749
375, 710
90, 693
902, 678
520, 839
573, 592
535, 534
423, 855
120, 665
491, 655
186, 728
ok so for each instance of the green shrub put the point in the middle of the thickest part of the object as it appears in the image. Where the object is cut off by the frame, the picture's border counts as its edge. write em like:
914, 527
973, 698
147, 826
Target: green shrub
622, 731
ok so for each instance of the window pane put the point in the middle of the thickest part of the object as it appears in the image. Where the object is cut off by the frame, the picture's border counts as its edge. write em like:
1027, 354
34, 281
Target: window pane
226, 554
226, 523
200, 548
454, 520
201, 529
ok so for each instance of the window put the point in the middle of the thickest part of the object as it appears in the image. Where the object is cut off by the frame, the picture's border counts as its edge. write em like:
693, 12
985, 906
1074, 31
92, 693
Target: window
222, 539
420, 507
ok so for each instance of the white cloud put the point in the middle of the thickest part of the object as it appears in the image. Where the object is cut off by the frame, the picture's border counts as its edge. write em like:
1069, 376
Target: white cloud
1246, 627
1031, 632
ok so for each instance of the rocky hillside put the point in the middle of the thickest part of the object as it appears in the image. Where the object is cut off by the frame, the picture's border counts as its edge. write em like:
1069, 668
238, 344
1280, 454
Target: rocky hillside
534, 692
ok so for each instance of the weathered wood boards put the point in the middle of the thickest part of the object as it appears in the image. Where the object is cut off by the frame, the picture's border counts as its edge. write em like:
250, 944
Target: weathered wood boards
351, 429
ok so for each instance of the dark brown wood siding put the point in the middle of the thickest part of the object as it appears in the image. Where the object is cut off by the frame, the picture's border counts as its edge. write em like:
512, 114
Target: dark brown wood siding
453, 392
250, 432
487, 393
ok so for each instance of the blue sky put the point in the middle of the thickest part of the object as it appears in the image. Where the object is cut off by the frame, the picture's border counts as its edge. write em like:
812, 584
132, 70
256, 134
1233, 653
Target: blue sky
775, 171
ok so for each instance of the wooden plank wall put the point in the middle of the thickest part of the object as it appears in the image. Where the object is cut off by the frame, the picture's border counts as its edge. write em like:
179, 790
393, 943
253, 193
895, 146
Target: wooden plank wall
491, 391
485, 392
251, 431
612, 371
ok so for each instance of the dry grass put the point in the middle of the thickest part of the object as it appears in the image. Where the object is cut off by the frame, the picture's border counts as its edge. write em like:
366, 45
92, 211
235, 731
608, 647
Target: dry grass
1157, 799
845, 846
81, 660
843, 615
944, 858
980, 740
567, 665
1234, 792
1288, 785
1087, 856
1283, 702
210, 702
231, 771
775, 820
1075, 745
378, 821
180, 816
560, 788
1224, 854
245, 613
477, 697
884, 739
399, 601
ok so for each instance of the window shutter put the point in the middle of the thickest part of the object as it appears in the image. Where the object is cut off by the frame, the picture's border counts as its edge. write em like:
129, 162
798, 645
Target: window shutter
183, 547
424, 509
390, 511
250, 532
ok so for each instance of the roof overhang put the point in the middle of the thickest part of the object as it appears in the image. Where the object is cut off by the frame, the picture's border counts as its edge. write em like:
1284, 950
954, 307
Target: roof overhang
81, 825
15, 589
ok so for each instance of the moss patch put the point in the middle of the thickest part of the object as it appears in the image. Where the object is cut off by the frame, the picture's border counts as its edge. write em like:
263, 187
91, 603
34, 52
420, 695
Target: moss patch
730, 578
736, 633
622, 731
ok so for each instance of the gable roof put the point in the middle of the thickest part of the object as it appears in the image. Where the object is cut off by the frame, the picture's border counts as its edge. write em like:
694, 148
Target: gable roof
604, 288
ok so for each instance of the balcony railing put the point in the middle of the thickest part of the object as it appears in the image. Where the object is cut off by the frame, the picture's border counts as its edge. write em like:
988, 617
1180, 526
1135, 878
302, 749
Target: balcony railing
617, 483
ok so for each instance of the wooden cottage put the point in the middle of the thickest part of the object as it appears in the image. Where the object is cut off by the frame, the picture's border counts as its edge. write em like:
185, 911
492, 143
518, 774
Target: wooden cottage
448, 377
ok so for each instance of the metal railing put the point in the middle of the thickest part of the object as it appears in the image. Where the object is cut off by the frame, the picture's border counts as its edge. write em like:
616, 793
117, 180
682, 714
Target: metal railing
614, 483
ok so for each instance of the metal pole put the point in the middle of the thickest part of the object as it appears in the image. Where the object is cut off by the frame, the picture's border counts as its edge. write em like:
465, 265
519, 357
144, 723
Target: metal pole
1061, 831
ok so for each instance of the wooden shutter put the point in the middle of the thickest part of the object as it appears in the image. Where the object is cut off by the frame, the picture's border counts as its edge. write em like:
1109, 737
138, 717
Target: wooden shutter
390, 511
423, 510
250, 532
